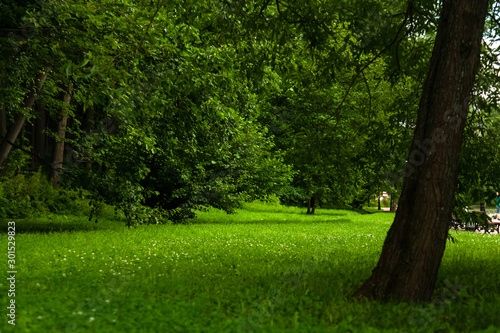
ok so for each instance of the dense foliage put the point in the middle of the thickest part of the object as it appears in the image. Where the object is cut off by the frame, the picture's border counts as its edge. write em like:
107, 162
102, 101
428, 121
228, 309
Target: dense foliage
159, 108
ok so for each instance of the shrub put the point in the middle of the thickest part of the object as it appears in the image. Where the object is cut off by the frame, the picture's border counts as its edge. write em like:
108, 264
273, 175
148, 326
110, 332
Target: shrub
25, 195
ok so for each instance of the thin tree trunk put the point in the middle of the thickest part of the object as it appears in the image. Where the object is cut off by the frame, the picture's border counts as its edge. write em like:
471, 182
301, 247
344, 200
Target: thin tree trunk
58, 148
311, 205
15, 129
11, 137
3, 121
3, 129
411, 255
89, 126
392, 205
3, 110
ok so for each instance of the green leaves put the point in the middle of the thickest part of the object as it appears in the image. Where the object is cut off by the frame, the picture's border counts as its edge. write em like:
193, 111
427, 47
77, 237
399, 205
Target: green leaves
212, 103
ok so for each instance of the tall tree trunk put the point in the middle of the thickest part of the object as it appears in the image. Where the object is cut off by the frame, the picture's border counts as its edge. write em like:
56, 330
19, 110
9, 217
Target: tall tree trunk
39, 139
411, 255
58, 148
13, 132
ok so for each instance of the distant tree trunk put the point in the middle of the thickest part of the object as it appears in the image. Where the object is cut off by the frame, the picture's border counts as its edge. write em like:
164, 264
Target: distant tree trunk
89, 126
58, 148
411, 255
392, 205
3, 121
11, 137
394, 202
3, 131
15, 129
3, 110
39, 139
311, 205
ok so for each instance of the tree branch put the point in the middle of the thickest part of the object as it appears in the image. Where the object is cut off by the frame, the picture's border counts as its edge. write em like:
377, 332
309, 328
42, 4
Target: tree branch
395, 39
369, 96
44, 162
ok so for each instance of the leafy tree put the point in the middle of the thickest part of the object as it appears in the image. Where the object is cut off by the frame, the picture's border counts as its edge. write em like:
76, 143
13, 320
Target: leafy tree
161, 109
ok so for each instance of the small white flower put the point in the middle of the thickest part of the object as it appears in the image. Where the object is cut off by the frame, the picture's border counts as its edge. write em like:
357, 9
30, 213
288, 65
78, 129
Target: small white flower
91, 319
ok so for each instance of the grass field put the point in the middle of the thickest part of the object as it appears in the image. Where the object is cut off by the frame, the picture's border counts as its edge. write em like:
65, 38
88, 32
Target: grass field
265, 269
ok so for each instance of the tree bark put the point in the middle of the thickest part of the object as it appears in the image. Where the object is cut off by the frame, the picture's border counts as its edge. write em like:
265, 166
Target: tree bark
58, 148
13, 132
411, 255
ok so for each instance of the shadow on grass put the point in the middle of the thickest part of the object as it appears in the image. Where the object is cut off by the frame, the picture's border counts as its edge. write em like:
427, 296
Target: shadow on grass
278, 211
332, 221
24, 226
272, 221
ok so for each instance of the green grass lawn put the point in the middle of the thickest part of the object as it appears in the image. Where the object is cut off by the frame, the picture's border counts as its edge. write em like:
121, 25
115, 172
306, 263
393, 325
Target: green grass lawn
265, 269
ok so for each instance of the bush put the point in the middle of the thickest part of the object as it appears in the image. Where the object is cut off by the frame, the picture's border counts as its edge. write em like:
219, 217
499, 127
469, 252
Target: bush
25, 195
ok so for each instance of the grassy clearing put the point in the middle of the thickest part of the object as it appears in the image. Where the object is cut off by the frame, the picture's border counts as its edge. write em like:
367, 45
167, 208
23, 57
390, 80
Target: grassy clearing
265, 269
